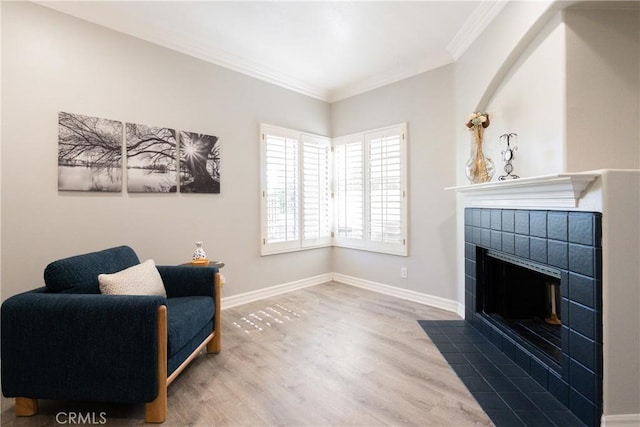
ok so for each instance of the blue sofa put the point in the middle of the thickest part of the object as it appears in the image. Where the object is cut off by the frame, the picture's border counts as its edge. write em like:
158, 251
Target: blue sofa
67, 341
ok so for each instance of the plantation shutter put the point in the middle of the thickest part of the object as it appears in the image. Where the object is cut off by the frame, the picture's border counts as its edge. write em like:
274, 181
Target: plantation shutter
385, 191
316, 191
296, 190
281, 190
349, 185
352, 195
370, 182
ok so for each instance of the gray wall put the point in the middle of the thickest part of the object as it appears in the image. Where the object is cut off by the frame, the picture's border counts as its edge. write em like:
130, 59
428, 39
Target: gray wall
425, 102
52, 62
603, 88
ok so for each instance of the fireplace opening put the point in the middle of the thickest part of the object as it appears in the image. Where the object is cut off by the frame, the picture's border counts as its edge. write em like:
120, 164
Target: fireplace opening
523, 298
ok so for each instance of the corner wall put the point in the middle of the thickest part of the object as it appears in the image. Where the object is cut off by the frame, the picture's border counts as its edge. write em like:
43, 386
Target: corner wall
425, 102
52, 62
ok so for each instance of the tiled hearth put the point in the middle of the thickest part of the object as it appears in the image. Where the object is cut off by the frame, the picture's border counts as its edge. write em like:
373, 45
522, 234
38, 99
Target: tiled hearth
571, 243
505, 391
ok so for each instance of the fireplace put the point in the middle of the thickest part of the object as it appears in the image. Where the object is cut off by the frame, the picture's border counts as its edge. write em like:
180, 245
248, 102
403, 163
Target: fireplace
533, 286
523, 298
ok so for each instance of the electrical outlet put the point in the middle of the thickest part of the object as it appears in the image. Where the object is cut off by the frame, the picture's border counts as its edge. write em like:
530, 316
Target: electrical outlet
404, 273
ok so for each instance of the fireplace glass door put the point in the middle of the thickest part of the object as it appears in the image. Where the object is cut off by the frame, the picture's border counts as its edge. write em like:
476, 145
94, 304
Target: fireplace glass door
522, 297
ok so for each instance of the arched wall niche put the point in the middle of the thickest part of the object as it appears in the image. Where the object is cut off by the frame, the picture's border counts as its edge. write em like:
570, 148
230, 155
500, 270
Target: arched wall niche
527, 44
526, 96
577, 63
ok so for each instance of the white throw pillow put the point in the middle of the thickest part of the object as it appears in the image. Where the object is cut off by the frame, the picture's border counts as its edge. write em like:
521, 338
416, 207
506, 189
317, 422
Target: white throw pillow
141, 279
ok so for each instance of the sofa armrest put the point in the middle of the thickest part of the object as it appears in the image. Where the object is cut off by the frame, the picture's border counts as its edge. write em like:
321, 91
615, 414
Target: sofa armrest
183, 280
80, 347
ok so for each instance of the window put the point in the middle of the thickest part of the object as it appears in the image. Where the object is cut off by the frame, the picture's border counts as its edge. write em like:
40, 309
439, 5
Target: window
349, 188
370, 185
296, 190
353, 195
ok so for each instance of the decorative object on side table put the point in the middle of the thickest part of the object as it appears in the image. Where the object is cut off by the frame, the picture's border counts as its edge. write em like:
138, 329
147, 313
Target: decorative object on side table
507, 155
199, 259
199, 256
479, 168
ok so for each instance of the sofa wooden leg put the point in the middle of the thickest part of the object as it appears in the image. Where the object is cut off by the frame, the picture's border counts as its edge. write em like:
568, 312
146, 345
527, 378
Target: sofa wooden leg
26, 407
156, 411
214, 346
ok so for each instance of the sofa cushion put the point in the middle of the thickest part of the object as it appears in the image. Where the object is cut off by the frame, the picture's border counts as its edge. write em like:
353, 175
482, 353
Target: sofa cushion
141, 279
185, 317
79, 274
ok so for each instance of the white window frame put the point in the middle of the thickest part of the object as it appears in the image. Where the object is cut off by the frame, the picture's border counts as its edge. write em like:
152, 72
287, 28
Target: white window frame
301, 140
334, 236
364, 242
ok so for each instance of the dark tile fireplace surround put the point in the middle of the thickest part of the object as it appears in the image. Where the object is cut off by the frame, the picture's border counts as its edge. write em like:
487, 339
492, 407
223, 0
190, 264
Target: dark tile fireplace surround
569, 243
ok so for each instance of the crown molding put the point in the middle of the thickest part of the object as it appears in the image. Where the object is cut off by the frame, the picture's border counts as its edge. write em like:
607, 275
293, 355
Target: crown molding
179, 43
475, 24
393, 75
249, 68
373, 82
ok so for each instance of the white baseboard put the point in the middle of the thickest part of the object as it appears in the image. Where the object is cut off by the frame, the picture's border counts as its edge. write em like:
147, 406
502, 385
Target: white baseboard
460, 310
247, 297
430, 300
624, 420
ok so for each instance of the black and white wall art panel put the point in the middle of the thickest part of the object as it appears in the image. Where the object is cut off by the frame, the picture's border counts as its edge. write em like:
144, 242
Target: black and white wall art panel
199, 163
89, 153
151, 159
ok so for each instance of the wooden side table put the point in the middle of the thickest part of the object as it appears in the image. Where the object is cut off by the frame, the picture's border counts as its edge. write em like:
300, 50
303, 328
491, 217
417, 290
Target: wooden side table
218, 264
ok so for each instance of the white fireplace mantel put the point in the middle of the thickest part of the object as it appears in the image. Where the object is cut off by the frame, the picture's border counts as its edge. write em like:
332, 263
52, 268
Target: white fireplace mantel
558, 191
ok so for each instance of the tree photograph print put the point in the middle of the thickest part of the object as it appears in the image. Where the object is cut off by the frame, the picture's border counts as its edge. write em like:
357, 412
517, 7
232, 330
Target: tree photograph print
159, 160
151, 159
199, 163
89, 153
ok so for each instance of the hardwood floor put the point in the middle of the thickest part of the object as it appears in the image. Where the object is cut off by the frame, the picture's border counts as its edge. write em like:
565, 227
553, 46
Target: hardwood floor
328, 355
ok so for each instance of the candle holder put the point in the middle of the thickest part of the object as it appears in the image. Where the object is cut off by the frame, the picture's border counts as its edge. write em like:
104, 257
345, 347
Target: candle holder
507, 156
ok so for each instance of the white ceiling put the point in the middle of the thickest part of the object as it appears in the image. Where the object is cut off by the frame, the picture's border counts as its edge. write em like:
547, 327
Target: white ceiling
327, 50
